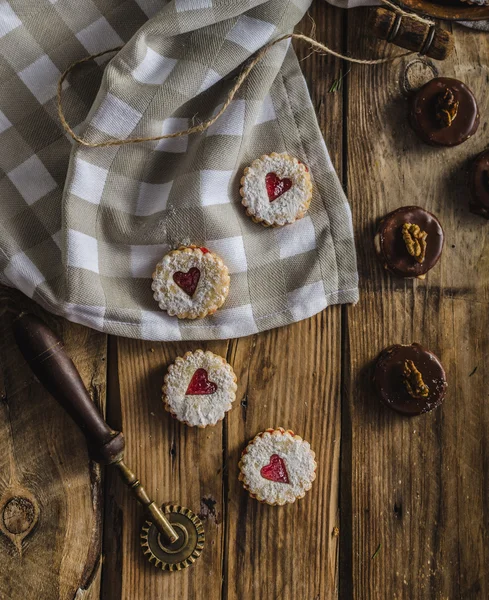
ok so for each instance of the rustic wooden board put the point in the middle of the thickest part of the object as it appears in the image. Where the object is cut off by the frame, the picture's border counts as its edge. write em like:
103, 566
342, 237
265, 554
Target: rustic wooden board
176, 463
286, 552
291, 377
405, 514
50, 493
416, 490
288, 377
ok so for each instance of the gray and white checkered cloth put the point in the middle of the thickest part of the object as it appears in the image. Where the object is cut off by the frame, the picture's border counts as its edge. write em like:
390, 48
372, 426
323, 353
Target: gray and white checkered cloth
81, 229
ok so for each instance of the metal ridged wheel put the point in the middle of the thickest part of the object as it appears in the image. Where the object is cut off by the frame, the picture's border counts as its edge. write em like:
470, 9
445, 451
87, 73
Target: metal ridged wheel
182, 553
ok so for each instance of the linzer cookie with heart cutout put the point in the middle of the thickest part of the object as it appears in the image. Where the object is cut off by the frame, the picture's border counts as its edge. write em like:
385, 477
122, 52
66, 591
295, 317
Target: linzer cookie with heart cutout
276, 189
277, 467
199, 388
190, 283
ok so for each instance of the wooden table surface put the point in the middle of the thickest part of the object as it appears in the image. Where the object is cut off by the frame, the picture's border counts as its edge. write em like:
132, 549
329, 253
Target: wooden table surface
400, 507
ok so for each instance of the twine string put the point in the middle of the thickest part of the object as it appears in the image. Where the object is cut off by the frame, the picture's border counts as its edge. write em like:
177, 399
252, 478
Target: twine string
314, 44
397, 9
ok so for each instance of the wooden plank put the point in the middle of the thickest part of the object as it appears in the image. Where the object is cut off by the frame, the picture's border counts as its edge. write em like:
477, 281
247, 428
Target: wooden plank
291, 377
288, 377
48, 487
176, 463
417, 493
186, 465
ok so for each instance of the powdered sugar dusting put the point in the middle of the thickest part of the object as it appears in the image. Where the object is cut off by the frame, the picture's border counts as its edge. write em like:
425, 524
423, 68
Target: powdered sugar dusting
288, 207
211, 291
205, 409
299, 462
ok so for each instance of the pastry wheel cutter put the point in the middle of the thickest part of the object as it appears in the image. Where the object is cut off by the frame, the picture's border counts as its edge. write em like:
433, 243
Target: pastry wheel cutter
173, 536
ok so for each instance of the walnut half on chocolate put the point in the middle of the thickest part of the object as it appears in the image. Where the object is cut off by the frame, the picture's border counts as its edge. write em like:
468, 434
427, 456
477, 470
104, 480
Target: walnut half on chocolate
446, 108
415, 240
413, 380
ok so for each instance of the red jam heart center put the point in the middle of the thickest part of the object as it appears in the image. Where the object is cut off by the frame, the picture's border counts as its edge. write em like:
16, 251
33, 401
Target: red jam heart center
275, 470
200, 385
187, 281
276, 186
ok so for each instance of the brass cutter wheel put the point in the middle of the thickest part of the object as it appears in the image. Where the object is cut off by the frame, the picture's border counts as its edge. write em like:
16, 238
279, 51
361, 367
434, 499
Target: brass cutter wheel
173, 536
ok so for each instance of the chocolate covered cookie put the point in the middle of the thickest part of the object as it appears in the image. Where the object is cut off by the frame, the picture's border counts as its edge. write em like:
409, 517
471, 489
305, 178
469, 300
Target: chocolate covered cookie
444, 112
410, 379
409, 241
479, 184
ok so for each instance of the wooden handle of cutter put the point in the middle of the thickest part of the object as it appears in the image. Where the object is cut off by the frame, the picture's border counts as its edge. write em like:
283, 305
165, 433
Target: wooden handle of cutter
411, 34
45, 354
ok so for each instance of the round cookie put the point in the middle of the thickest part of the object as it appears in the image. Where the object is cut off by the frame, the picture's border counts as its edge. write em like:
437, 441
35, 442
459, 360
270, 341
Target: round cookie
410, 379
444, 112
479, 184
190, 283
277, 467
409, 241
276, 189
199, 388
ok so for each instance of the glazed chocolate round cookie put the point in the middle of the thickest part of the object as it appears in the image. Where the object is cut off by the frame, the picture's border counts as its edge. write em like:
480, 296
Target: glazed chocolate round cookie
444, 112
479, 183
409, 241
410, 379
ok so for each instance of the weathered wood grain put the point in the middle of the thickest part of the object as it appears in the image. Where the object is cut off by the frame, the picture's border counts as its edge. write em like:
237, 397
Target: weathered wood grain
416, 490
283, 379
288, 377
50, 493
291, 377
176, 463
414, 493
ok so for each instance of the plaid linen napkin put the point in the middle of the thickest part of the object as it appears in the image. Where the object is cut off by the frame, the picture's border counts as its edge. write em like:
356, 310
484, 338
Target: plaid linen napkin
81, 231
